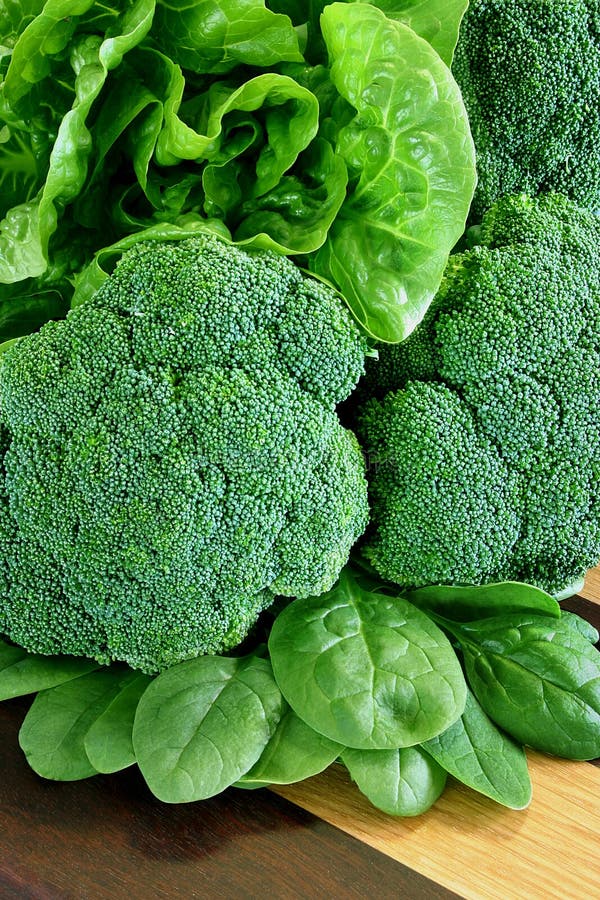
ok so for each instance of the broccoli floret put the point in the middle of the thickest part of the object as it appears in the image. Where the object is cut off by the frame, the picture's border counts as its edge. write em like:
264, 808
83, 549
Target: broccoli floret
490, 431
173, 458
530, 78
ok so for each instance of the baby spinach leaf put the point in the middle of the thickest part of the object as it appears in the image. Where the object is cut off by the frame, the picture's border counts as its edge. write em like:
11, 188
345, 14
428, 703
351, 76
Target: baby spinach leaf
402, 782
53, 733
25, 673
213, 37
202, 724
109, 740
411, 163
539, 679
366, 670
295, 752
475, 752
462, 603
580, 625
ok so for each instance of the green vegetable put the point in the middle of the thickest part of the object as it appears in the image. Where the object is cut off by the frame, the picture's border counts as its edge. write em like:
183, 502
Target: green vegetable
53, 733
201, 725
484, 453
173, 459
114, 120
475, 752
389, 245
294, 752
530, 77
24, 673
402, 782
462, 603
366, 670
109, 741
537, 678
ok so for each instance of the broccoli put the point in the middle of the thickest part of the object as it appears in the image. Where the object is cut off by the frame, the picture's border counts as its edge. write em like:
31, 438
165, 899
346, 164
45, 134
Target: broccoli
530, 78
482, 429
173, 459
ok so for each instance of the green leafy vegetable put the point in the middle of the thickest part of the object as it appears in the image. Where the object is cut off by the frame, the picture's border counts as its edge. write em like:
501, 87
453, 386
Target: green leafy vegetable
538, 679
208, 36
437, 21
109, 740
410, 191
402, 782
26, 673
462, 603
203, 724
53, 733
475, 752
295, 752
366, 670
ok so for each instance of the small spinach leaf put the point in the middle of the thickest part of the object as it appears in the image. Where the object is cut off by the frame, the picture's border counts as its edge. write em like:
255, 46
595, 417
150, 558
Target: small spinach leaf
462, 603
539, 679
475, 752
26, 673
400, 782
295, 752
53, 732
109, 740
203, 723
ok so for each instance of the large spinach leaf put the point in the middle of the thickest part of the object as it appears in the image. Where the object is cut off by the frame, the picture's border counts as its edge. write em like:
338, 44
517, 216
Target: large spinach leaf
367, 670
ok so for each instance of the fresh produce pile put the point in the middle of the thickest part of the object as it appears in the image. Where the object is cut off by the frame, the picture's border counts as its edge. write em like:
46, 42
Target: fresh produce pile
299, 391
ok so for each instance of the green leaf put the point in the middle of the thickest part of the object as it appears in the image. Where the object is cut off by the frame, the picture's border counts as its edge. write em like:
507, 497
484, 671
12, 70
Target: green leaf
475, 752
295, 752
209, 37
411, 162
53, 733
109, 741
436, 21
580, 625
202, 724
26, 673
404, 782
296, 215
366, 670
462, 603
539, 679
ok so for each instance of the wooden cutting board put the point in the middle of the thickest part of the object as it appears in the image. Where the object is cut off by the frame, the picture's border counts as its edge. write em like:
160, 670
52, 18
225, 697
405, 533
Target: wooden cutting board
107, 838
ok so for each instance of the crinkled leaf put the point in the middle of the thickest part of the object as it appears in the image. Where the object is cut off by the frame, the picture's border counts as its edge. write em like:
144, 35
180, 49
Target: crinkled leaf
462, 603
437, 21
213, 37
539, 679
26, 673
109, 740
53, 733
580, 625
411, 162
295, 752
202, 724
367, 670
477, 753
404, 782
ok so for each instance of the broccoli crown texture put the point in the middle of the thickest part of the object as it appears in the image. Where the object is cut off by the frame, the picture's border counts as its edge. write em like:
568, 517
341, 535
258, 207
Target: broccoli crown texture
484, 452
173, 459
530, 77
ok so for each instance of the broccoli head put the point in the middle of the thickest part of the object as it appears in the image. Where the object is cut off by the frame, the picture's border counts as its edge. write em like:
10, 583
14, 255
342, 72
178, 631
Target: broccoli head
173, 459
530, 78
482, 430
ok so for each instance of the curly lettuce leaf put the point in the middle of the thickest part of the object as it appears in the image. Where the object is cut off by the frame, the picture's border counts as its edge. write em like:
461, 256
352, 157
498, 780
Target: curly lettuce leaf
213, 37
411, 161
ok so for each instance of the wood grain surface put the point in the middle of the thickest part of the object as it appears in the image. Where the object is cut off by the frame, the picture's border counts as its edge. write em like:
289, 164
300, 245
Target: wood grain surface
107, 837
